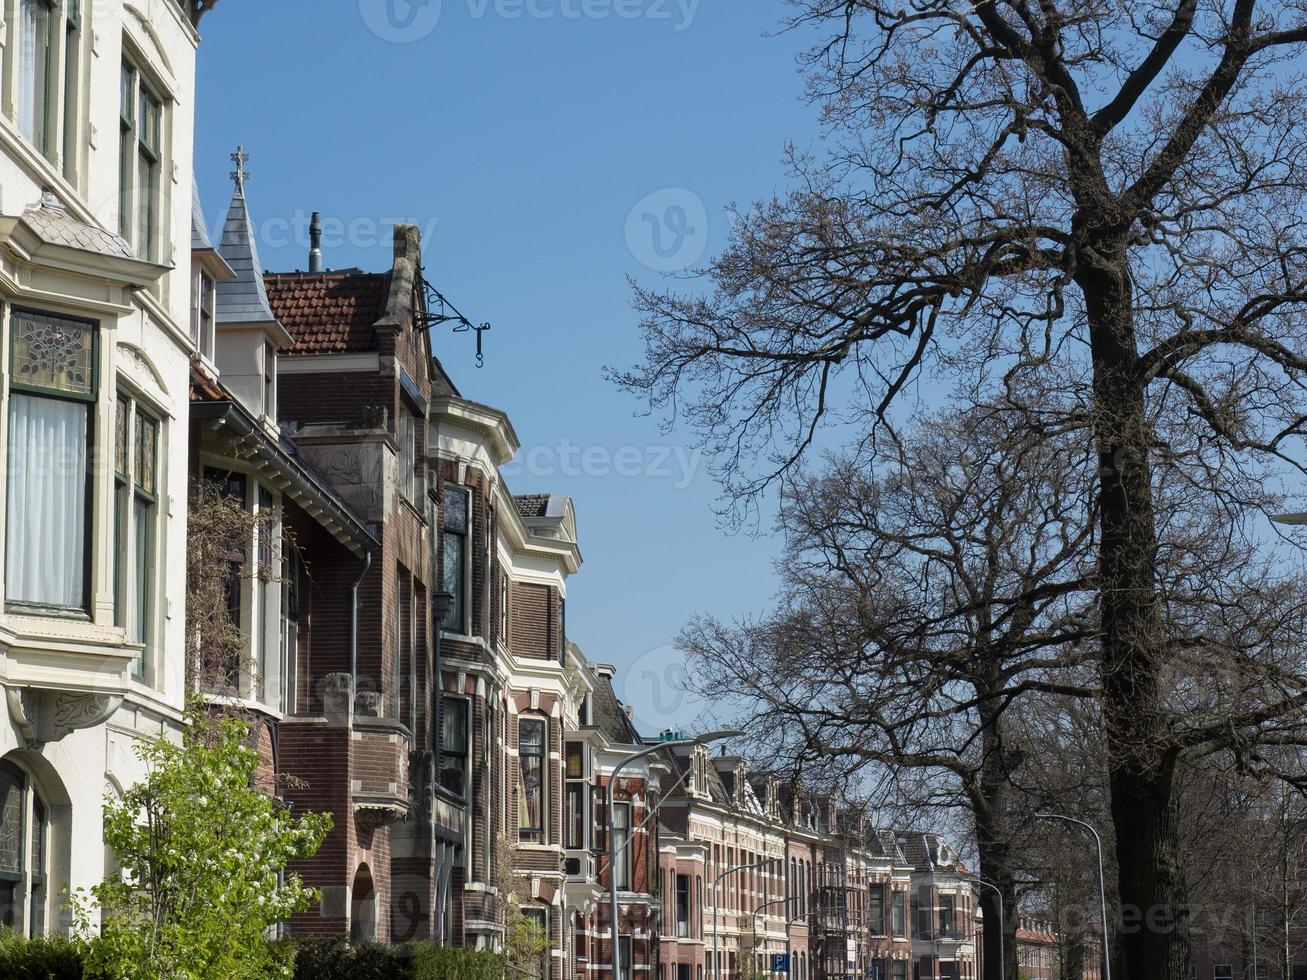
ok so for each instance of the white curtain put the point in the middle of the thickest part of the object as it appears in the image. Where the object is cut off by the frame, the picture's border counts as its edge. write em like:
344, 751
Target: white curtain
45, 551
33, 36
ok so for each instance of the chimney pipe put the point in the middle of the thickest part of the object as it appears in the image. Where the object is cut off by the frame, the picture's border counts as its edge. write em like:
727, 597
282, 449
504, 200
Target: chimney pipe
315, 240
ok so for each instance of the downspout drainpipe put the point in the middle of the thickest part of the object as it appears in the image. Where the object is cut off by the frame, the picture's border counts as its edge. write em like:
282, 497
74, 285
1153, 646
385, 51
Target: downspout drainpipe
354, 623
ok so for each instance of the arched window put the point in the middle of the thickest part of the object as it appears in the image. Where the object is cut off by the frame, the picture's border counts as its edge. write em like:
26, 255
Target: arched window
24, 836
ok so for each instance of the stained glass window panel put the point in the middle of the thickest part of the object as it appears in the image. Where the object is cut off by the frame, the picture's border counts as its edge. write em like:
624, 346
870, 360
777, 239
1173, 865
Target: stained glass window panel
53, 353
120, 438
147, 452
11, 823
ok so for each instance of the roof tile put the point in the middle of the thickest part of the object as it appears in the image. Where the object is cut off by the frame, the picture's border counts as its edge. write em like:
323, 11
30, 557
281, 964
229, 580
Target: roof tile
328, 312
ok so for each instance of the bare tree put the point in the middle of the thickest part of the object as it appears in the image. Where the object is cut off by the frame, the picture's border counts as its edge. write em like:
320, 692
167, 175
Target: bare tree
920, 607
1103, 197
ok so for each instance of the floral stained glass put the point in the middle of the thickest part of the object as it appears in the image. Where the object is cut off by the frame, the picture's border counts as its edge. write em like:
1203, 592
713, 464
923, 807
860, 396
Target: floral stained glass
147, 446
51, 352
120, 438
11, 823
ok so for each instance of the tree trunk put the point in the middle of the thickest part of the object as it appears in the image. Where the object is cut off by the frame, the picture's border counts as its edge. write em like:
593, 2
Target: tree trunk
989, 804
1154, 928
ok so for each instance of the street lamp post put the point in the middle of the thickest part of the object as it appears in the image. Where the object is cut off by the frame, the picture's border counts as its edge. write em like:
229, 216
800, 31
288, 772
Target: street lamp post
1002, 922
612, 843
765, 905
716, 954
1102, 886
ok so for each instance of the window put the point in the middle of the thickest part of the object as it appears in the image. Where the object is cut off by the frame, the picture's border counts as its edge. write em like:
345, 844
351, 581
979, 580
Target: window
1223, 971
139, 164
876, 910
683, 906
538, 923
575, 815
454, 559
624, 947
898, 916
24, 834
270, 381
36, 19
290, 629
225, 675
72, 87
136, 504
454, 745
622, 845
531, 784
203, 296
503, 612
265, 532
899, 970
52, 389
599, 807
406, 435
947, 917
403, 645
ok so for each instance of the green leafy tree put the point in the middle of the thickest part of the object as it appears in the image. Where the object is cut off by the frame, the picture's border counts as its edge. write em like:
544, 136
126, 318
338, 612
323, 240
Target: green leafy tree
202, 853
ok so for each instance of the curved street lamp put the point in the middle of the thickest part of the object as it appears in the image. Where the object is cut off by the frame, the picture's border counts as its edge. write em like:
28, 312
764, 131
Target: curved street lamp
1102, 887
703, 739
1002, 921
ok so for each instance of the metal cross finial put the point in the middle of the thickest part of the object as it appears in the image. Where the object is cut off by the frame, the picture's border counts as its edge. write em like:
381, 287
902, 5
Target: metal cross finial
240, 174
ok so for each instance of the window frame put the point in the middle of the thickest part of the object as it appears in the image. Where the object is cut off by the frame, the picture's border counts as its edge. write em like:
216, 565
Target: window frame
456, 621
533, 833
31, 901
91, 402
135, 581
138, 93
623, 871
451, 705
898, 914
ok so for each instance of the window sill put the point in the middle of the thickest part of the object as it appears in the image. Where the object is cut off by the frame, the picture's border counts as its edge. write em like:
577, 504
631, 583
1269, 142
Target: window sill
36, 610
413, 509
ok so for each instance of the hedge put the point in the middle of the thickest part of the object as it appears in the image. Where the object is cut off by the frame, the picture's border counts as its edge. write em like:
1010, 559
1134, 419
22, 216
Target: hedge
315, 959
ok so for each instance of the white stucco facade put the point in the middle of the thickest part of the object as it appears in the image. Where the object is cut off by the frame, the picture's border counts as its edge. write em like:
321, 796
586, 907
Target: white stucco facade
96, 131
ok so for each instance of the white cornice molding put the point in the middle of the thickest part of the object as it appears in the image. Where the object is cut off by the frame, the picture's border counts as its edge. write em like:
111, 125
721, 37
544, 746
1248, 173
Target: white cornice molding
481, 420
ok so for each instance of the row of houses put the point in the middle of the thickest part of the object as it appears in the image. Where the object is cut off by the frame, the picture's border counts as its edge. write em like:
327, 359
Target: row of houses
399, 611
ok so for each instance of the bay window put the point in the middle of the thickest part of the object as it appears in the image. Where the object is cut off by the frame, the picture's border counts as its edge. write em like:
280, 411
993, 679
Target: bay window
457, 505
136, 504
532, 781
52, 394
454, 745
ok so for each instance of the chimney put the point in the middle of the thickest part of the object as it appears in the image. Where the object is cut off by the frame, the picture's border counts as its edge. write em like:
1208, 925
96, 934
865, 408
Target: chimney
315, 240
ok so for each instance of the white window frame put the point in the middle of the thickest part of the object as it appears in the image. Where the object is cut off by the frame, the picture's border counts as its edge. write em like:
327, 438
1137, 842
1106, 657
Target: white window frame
129, 494
137, 80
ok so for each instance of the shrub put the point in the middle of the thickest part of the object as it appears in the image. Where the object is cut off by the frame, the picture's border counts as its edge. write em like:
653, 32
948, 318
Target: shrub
41, 959
338, 959
432, 962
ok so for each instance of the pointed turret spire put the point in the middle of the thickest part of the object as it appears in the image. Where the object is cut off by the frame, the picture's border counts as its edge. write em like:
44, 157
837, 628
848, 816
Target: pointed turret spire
244, 299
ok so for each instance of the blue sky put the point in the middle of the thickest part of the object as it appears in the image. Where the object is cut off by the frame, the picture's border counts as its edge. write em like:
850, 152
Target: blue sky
550, 149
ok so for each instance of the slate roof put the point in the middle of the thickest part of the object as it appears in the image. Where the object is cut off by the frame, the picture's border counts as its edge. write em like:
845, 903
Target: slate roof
55, 226
244, 299
609, 716
531, 505
200, 240
329, 312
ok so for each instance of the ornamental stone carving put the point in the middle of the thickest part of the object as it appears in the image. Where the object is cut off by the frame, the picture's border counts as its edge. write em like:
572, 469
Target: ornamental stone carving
44, 716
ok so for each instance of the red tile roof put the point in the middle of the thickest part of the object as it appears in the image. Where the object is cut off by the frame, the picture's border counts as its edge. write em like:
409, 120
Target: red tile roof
328, 312
205, 388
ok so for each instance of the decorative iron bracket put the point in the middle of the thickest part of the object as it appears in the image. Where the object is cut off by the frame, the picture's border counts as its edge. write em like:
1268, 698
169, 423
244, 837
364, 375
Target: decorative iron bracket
435, 310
